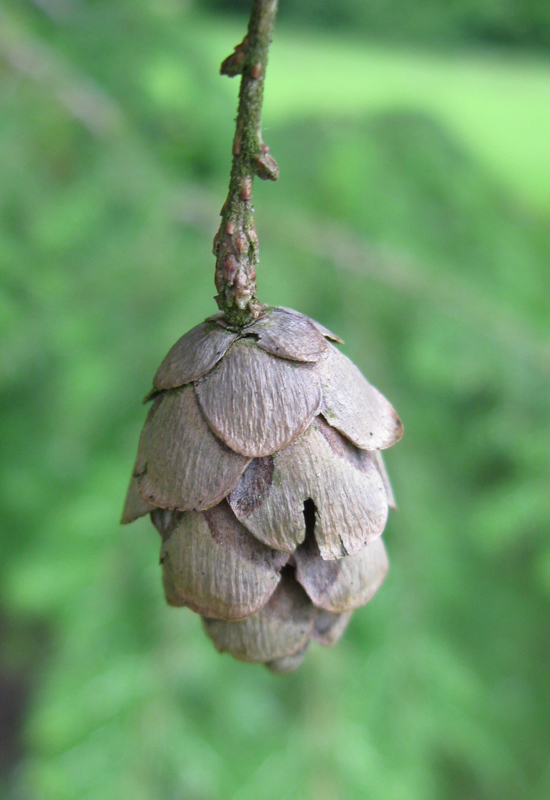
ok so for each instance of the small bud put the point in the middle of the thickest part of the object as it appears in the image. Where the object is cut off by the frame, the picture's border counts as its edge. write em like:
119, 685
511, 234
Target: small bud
253, 237
266, 167
230, 228
233, 64
240, 283
241, 243
236, 146
246, 188
256, 70
230, 268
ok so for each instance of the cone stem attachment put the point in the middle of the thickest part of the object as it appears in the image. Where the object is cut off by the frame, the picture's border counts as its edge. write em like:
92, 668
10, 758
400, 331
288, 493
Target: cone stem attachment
236, 243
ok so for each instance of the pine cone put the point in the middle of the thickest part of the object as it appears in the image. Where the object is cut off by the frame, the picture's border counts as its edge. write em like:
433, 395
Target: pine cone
259, 463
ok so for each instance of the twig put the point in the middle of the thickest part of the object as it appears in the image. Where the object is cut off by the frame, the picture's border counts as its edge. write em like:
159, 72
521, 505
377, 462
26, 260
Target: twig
236, 243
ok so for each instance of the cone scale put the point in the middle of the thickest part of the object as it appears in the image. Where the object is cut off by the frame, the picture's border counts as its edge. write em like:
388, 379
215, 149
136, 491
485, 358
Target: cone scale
260, 467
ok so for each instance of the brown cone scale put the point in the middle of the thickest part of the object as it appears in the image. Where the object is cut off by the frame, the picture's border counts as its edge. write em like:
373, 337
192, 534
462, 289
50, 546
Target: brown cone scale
259, 464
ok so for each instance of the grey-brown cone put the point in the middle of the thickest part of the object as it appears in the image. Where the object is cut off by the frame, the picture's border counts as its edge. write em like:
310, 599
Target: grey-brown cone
260, 465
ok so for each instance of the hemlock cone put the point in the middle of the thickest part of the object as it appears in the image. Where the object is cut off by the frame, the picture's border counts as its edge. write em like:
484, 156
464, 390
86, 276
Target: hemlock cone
259, 463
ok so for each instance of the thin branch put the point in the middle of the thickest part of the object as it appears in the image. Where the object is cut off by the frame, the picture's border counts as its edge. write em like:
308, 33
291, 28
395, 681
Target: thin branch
236, 243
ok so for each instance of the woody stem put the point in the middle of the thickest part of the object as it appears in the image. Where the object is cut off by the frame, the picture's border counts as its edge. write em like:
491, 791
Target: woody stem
236, 243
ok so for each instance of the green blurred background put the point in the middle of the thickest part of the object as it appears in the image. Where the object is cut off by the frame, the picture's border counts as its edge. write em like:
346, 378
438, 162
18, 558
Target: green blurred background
412, 216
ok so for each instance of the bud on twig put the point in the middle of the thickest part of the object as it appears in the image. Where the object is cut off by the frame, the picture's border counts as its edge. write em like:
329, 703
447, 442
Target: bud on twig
233, 64
266, 167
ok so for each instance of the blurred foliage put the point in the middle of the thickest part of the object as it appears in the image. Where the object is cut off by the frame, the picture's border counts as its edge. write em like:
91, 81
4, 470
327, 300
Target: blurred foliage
114, 139
512, 23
